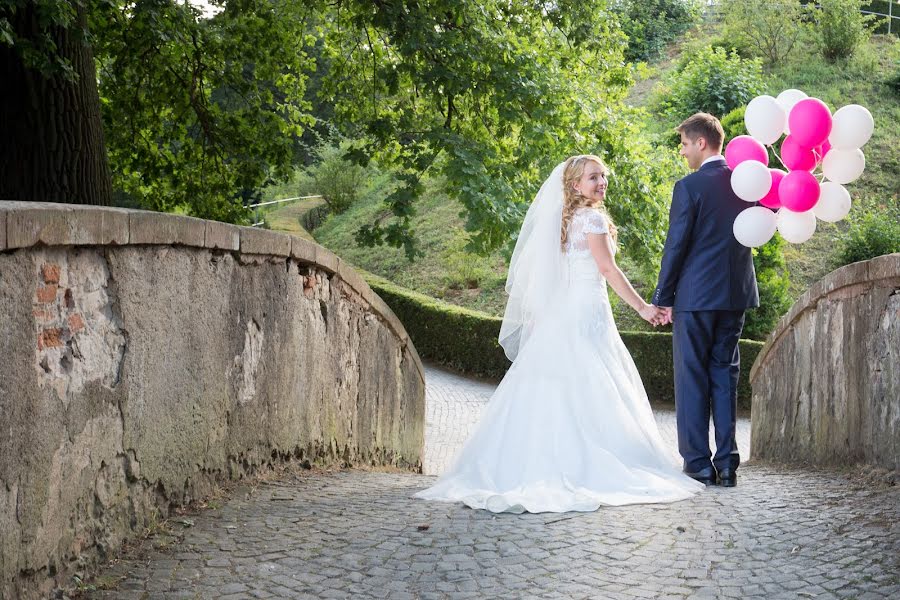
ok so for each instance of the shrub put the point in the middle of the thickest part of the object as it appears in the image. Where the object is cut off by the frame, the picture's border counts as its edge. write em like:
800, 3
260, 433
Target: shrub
467, 340
651, 25
733, 123
774, 283
337, 179
872, 233
842, 27
713, 81
776, 26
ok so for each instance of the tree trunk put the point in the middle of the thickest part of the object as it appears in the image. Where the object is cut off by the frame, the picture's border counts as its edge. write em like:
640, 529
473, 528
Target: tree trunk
52, 146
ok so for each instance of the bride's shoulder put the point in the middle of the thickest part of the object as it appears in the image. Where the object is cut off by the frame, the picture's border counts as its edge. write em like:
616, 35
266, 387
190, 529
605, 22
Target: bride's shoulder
590, 219
587, 212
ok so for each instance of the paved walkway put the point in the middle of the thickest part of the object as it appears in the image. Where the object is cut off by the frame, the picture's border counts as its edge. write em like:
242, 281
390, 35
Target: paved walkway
782, 533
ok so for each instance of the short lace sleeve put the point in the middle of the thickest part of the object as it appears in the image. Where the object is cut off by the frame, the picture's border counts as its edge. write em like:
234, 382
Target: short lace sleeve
584, 221
594, 222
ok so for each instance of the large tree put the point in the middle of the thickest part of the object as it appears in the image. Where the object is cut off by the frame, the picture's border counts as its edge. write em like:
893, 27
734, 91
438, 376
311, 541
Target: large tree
52, 148
197, 112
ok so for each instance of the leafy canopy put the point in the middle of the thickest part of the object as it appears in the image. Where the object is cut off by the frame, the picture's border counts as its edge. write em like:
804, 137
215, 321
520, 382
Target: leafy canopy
491, 95
200, 113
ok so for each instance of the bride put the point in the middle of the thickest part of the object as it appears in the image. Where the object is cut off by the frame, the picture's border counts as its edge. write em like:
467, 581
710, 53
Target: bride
569, 428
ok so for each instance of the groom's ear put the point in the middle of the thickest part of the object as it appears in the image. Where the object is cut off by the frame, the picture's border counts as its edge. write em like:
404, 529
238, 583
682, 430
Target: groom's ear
701, 143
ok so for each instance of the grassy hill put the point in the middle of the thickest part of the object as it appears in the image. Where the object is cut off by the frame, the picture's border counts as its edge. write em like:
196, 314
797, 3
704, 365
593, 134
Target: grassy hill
448, 272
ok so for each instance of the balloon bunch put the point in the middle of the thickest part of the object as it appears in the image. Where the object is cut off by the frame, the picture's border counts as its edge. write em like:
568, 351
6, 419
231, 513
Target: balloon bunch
814, 138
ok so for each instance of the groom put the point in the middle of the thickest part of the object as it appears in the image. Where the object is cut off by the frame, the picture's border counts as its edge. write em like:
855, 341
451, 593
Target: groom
707, 280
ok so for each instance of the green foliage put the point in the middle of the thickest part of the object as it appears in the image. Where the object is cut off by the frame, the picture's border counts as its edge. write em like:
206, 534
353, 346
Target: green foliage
842, 27
872, 233
766, 28
39, 51
489, 95
446, 269
774, 285
651, 25
733, 123
713, 81
467, 340
883, 7
200, 113
893, 80
337, 179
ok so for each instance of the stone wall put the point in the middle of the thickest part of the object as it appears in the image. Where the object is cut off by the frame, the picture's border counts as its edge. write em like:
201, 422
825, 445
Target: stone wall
144, 357
826, 386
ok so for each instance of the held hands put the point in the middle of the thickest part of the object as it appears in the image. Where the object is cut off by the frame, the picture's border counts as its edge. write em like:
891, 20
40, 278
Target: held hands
656, 315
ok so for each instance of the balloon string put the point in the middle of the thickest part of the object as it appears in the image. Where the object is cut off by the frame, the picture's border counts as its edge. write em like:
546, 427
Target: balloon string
814, 173
772, 146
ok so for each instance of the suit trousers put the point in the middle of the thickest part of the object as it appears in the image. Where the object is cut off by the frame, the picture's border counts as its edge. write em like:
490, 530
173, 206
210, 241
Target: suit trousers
707, 364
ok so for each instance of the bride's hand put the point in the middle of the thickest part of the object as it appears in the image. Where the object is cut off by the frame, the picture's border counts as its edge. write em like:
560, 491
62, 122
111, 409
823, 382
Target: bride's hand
651, 314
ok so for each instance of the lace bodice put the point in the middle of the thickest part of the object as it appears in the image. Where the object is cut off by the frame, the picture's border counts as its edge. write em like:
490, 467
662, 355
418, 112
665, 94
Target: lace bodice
584, 221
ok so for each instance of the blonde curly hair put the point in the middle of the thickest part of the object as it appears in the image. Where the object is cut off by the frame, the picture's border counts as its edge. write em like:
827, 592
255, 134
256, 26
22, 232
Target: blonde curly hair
573, 199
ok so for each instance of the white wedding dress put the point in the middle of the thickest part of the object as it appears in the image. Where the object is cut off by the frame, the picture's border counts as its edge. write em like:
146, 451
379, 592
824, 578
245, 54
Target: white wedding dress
569, 428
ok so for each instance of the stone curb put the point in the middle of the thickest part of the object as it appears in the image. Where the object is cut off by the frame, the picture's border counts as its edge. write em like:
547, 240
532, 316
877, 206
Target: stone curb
868, 271
27, 224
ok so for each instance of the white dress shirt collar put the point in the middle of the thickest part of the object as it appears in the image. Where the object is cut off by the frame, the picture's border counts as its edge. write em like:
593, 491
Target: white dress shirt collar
712, 158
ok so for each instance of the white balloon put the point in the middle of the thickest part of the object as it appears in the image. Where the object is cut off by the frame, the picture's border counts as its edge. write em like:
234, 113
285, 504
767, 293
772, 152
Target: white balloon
843, 166
751, 180
796, 227
787, 99
852, 126
765, 119
834, 202
754, 226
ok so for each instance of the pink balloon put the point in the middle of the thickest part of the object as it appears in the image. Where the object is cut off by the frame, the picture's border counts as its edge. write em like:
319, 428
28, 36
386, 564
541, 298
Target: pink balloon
821, 150
796, 157
799, 191
810, 122
771, 200
742, 148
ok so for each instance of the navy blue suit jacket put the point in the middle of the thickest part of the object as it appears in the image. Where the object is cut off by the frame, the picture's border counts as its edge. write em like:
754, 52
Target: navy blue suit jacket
703, 266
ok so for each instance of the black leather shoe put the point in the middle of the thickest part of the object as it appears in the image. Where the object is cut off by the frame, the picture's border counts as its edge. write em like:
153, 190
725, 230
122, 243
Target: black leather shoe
706, 476
727, 478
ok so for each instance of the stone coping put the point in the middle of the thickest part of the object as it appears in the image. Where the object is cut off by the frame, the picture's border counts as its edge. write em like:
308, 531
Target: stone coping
863, 272
28, 224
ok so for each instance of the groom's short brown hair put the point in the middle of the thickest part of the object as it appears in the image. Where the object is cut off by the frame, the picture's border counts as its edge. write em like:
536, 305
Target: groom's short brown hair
703, 125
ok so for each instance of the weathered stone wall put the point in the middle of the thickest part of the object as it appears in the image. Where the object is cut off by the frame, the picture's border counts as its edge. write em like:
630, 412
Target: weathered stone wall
143, 357
826, 386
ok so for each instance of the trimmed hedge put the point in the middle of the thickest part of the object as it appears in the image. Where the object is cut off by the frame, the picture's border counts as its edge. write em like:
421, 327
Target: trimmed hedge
466, 340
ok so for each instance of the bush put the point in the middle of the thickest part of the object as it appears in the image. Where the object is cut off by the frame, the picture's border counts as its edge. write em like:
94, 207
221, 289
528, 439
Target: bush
774, 284
733, 123
842, 27
872, 233
467, 340
713, 81
776, 26
337, 179
651, 25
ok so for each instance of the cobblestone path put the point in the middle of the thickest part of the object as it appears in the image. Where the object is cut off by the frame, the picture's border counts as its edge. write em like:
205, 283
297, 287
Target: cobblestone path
782, 533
